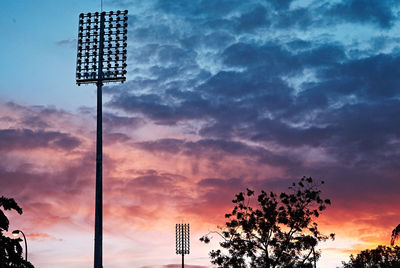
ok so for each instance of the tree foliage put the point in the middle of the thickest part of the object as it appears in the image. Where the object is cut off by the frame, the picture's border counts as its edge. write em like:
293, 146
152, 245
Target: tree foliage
10, 249
395, 235
280, 231
381, 257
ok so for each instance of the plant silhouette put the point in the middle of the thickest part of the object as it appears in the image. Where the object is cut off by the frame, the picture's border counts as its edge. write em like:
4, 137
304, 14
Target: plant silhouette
380, 257
279, 232
10, 249
395, 235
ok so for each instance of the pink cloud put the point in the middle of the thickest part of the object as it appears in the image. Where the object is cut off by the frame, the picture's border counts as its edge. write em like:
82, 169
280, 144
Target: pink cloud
48, 167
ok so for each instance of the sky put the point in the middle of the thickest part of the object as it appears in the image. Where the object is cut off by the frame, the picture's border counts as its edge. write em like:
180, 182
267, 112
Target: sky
220, 96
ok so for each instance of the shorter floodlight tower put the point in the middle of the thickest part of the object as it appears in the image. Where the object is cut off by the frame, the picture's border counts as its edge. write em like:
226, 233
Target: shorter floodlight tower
182, 240
101, 58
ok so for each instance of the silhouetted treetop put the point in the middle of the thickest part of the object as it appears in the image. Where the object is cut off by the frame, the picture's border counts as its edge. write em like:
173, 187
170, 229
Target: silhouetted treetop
10, 249
7, 204
280, 231
380, 257
395, 235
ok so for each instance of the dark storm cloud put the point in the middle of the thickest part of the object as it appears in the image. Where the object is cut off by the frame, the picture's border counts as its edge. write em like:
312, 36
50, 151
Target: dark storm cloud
369, 78
275, 59
280, 4
377, 12
198, 8
275, 130
240, 85
215, 195
217, 149
298, 44
43, 191
253, 19
366, 130
172, 146
71, 179
299, 18
241, 68
151, 105
218, 39
36, 109
112, 138
153, 182
324, 13
174, 55
34, 121
323, 55
114, 121
26, 139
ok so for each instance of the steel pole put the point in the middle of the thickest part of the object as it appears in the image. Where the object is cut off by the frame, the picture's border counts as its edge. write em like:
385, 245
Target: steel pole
315, 260
183, 246
98, 225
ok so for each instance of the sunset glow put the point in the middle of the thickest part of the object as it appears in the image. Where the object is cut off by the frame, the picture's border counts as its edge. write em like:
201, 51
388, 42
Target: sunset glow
220, 96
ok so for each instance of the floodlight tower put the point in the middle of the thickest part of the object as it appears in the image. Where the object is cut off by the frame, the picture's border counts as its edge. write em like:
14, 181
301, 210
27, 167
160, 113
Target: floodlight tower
101, 59
182, 240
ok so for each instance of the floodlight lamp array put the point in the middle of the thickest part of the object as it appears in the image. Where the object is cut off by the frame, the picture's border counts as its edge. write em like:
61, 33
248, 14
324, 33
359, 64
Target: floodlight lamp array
102, 47
182, 239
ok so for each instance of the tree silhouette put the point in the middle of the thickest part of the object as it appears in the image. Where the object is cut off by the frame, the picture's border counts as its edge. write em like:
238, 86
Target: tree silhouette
279, 232
381, 257
10, 249
395, 235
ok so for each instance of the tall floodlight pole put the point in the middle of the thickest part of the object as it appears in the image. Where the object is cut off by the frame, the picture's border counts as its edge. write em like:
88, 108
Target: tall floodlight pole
101, 59
182, 240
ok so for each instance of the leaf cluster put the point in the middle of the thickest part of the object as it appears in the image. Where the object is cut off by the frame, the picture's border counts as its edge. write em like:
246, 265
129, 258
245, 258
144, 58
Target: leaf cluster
395, 235
279, 231
10, 249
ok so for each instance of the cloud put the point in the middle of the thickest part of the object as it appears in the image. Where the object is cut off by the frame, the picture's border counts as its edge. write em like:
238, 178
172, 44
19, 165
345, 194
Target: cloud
114, 137
368, 78
40, 236
377, 12
111, 120
215, 149
253, 19
35, 122
274, 58
26, 139
255, 90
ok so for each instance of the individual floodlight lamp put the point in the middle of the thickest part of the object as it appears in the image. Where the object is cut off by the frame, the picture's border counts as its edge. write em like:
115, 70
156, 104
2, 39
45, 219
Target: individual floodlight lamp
182, 240
101, 58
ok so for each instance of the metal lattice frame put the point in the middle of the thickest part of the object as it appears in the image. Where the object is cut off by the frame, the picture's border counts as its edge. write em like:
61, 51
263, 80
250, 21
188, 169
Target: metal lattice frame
182, 239
102, 47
